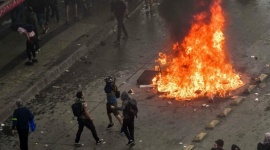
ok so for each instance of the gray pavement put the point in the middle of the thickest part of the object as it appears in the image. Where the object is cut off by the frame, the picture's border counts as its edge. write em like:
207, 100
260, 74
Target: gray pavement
62, 46
159, 125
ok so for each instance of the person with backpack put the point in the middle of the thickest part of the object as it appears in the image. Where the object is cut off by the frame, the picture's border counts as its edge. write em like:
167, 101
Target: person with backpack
130, 110
112, 93
265, 144
80, 110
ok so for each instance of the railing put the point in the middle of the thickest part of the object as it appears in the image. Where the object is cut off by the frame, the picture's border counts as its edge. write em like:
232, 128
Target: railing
8, 5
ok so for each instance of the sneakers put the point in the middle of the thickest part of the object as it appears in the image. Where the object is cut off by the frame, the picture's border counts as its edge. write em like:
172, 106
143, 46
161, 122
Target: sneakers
131, 143
99, 141
110, 126
37, 51
78, 144
46, 30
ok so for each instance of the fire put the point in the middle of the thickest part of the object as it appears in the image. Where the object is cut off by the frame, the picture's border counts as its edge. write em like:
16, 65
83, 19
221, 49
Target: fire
199, 66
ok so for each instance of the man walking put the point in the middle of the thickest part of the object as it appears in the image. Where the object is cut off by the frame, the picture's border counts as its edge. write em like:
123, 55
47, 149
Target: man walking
20, 121
130, 110
120, 9
110, 90
84, 120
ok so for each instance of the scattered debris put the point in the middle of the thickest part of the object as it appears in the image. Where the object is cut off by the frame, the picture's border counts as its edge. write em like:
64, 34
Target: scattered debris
140, 141
67, 70
2, 124
254, 57
256, 100
169, 102
267, 65
194, 109
145, 86
268, 94
256, 93
180, 143
46, 145
131, 91
41, 132
78, 44
36, 143
203, 105
56, 87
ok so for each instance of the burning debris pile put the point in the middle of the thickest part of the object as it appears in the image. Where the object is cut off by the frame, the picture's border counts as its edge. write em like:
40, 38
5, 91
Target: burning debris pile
198, 65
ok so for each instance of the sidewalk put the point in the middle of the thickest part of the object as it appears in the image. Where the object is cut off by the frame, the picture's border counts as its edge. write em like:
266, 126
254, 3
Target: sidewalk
61, 47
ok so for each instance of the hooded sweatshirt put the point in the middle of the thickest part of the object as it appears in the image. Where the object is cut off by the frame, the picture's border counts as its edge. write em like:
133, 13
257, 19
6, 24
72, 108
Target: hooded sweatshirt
127, 100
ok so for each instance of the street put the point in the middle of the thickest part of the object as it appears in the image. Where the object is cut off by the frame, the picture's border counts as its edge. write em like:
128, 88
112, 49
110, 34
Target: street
162, 124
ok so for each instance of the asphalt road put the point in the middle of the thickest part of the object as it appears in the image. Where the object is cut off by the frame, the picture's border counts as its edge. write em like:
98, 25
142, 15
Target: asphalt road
160, 126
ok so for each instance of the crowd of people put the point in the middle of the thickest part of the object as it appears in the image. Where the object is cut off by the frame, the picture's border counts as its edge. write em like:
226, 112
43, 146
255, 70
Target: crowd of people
264, 145
23, 118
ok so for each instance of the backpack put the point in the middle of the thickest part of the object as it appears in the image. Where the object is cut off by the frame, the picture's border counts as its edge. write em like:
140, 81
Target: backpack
77, 109
132, 108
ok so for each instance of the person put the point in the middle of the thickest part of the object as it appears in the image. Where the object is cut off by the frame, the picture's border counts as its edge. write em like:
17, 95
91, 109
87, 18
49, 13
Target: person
27, 30
128, 121
218, 145
31, 18
85, 120
120, 9
235, 147
265, 144
110, 90
67, 3
20, 121
54, 7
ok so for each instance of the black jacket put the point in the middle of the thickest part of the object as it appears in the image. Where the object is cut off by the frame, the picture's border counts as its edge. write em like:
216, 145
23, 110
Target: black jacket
21, 118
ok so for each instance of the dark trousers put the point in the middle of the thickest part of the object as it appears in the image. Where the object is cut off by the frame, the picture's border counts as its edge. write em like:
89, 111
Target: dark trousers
55, 11
128, 128
90, 125
30, 50
23, 136
120, 27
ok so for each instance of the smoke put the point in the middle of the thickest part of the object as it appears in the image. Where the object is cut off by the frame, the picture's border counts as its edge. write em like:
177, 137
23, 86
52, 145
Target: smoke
179, 15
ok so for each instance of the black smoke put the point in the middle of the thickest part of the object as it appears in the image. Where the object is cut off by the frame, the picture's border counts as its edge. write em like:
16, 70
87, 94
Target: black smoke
178, 15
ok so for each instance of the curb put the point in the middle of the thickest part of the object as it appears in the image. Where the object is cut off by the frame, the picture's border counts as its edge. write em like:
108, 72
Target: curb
56, 71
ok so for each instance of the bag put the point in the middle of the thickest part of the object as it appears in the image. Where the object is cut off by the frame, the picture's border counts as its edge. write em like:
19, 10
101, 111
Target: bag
132, 107
32, 125
77, 109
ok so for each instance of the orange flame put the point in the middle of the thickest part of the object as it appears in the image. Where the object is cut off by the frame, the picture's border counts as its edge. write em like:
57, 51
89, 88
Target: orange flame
200, 67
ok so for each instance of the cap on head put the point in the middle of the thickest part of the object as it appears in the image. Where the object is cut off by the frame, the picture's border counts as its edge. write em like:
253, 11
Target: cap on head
108, 79
79, 94
19, 103
220, 142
